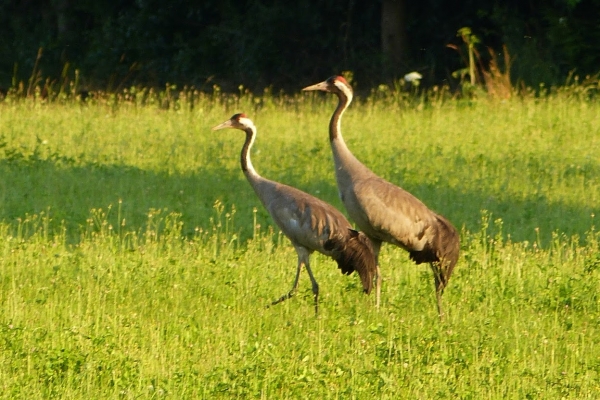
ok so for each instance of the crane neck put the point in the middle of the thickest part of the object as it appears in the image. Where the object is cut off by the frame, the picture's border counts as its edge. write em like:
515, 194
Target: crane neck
346, 164
335, 124
247, 166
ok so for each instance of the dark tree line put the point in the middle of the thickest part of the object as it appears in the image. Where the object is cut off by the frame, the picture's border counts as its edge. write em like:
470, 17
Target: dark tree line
259, 43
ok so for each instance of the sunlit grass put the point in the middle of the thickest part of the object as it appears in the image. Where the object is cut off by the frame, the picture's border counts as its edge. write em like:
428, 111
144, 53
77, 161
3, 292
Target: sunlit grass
136, 261
530, 162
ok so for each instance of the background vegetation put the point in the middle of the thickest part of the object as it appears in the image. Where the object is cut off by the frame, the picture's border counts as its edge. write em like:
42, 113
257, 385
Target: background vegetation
136, 261
261, 43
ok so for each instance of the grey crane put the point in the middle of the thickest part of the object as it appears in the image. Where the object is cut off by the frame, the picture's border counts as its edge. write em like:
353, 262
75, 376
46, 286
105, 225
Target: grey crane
310, 223
385, 212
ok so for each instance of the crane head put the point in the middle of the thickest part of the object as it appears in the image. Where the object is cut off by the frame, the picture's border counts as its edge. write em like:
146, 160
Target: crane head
237, 121
334, 84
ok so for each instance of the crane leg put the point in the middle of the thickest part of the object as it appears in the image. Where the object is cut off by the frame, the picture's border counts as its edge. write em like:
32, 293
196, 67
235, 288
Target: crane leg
378, 279
292, 292
438, 295
315, 287
440, 284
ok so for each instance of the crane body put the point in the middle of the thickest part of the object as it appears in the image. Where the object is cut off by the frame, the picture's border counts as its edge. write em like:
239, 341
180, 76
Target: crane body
384, 211
311, 224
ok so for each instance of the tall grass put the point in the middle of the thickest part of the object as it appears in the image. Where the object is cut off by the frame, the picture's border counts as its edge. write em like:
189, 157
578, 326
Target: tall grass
137, 263
530, 162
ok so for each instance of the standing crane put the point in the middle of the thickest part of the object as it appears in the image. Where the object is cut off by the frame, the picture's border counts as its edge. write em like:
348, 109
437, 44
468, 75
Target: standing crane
310, 223
385, 212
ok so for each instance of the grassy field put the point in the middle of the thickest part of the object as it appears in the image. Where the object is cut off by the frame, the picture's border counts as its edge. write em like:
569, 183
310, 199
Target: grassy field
137, 262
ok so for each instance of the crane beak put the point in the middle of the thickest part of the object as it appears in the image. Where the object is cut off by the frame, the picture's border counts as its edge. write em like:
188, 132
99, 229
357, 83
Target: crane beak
319, 86
226, 124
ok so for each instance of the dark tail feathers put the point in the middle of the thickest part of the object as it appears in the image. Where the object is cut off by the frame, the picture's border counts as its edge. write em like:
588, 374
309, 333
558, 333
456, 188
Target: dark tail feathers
441, 251
352, 253
448, 247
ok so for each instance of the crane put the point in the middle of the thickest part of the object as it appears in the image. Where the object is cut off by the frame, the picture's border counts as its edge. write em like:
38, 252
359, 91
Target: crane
310, 223
384, 211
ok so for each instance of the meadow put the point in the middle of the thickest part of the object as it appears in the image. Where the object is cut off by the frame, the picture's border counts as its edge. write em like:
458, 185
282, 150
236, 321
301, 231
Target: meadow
137, 261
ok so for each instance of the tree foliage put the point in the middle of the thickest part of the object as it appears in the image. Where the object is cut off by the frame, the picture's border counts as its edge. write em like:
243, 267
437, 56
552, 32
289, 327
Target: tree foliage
259, 43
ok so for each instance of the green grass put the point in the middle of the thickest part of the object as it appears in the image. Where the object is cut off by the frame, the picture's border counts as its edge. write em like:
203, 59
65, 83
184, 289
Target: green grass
137, 262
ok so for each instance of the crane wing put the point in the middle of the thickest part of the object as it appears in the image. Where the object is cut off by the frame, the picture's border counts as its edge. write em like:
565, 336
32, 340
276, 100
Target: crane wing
303, 218
391, 214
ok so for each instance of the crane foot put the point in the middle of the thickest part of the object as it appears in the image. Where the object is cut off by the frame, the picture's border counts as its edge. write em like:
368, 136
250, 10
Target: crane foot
283, 298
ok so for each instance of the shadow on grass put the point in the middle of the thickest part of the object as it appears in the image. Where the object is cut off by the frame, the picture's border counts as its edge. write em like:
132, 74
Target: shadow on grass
531, 219
67, 193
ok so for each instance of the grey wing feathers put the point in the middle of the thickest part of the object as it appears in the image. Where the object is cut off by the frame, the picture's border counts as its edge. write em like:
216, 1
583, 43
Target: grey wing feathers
392, 214
306, 220
442, 244
310, 222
